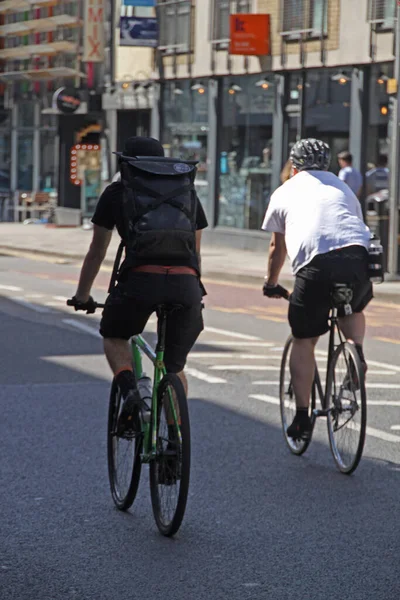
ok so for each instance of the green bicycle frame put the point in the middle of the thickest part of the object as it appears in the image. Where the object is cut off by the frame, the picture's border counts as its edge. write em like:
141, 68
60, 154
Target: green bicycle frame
139, 346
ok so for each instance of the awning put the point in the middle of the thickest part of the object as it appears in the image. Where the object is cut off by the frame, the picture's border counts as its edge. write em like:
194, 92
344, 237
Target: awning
26, 52
41, 74
39, 25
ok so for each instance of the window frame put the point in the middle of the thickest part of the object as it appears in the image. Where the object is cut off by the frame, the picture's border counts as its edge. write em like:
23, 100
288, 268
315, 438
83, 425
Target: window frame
217, 12
176, 47
380, 24
305, 33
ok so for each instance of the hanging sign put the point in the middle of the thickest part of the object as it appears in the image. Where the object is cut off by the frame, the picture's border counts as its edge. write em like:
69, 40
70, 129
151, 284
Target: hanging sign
94, 39
67, 100
138, 31
250, 34
139, 3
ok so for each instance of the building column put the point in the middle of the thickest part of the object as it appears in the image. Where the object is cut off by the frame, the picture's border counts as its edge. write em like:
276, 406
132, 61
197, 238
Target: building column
278, 132
214, 114
14, 148
155, 124
36, 171
359, 116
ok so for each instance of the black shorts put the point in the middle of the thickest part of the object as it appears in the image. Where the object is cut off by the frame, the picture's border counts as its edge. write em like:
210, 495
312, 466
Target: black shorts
130, 305
310, 302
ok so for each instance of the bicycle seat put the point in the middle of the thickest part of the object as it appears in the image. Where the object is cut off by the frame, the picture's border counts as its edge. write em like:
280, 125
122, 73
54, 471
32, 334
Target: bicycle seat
342, 293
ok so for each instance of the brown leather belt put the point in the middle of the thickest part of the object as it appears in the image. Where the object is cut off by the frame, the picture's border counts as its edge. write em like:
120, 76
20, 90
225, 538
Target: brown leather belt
162, 270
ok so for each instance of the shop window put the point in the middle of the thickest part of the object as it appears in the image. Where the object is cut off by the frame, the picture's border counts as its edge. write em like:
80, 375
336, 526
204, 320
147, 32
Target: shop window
185, 132
220, 22
175, 18
382, 13
25, 161
304, 17
245, 160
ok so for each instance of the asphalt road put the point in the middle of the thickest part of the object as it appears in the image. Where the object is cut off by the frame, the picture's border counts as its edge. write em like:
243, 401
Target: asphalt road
260, 523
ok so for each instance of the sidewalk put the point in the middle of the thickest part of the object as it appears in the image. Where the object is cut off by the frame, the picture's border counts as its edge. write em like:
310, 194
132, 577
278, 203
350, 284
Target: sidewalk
219, 263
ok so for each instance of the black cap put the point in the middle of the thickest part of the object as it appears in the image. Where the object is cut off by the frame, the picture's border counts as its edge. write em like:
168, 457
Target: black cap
142, 146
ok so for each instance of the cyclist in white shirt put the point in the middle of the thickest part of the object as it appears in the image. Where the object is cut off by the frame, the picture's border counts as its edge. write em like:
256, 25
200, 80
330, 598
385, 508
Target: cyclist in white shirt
317, 220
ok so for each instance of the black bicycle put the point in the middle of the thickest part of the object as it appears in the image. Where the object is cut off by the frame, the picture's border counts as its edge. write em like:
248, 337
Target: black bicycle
343, 402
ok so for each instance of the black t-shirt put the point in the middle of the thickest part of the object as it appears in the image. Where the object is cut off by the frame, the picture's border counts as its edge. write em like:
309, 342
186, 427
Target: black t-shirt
108, 214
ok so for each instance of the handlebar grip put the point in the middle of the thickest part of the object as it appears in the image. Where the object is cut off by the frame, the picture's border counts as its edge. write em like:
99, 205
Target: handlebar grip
70, 302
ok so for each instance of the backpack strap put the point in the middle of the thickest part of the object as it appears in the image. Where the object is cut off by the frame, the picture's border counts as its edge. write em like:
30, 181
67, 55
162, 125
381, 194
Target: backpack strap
115, 270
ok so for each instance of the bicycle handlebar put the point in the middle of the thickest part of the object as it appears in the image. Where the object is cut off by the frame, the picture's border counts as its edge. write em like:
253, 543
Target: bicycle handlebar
276, 291
72, 302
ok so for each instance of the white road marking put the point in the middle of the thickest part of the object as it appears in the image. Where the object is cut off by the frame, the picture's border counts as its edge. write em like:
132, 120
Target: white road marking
11, 288
265, 382
395, 427
35, 307
371, 431
244, 368
240, 344
384, 386
382, 435
275, 368
82, 327
34, 296
203, 376
265, 398
200, 354
235, 334
383, 402
60, 298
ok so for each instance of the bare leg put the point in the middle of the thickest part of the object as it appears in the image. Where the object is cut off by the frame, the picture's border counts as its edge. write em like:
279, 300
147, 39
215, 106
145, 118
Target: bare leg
302, 369
118, 353
184, 381
353, 327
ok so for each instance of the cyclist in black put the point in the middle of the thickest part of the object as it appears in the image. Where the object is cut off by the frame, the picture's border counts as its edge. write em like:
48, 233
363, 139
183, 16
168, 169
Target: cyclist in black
162, 261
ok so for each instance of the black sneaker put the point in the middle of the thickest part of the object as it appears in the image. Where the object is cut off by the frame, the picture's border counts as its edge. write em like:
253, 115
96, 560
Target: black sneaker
300, 429
169, 466
128, 420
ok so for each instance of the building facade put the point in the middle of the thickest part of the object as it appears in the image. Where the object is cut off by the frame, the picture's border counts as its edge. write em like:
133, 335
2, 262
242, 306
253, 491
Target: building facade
326, 76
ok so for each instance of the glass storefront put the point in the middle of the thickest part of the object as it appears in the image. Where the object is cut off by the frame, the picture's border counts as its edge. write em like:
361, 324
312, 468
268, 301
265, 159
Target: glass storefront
5, 151
379, 113
327, 98
245, 150
185, 128
48, 149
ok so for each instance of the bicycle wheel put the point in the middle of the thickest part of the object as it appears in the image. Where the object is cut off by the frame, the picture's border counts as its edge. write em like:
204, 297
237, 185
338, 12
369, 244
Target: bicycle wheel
124, 461
288, 402
170, 470
347, 404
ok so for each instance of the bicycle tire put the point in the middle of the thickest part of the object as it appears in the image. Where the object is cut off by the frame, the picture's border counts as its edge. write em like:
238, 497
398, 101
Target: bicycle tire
340, 404
287, 402
124, 498
164, 473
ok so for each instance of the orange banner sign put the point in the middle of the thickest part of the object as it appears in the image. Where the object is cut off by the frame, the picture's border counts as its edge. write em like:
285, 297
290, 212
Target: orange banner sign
250, 34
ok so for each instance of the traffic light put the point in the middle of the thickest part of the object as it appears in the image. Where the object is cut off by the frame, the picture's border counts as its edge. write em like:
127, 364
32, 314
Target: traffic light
384, 109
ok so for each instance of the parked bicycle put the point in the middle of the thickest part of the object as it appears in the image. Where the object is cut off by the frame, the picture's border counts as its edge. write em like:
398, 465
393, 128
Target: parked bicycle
163, 441
343, 401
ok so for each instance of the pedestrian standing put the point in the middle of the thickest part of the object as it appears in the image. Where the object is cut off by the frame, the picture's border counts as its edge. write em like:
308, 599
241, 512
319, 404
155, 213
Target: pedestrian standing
350, 174
377, 179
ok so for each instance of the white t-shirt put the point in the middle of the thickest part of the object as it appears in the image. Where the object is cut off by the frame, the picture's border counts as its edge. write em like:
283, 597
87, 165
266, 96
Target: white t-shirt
317, 213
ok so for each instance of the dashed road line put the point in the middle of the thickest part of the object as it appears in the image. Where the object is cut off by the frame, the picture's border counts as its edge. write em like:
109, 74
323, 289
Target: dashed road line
82, 327
36, 307
203, 376
234, 334
371, 431
385, 339
11, 288
240, 344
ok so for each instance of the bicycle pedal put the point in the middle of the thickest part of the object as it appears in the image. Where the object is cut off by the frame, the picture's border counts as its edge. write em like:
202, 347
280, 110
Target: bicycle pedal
320, 413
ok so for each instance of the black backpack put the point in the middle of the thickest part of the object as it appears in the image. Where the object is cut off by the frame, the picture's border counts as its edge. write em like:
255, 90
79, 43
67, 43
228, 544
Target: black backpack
159, 210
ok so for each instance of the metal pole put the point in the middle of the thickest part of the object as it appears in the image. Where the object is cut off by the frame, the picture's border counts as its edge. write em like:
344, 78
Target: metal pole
394, 171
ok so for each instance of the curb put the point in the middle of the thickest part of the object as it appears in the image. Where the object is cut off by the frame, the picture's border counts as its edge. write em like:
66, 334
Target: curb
215, 276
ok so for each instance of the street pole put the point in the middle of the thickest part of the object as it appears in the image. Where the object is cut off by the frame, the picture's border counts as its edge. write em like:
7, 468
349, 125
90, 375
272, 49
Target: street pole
394, 166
